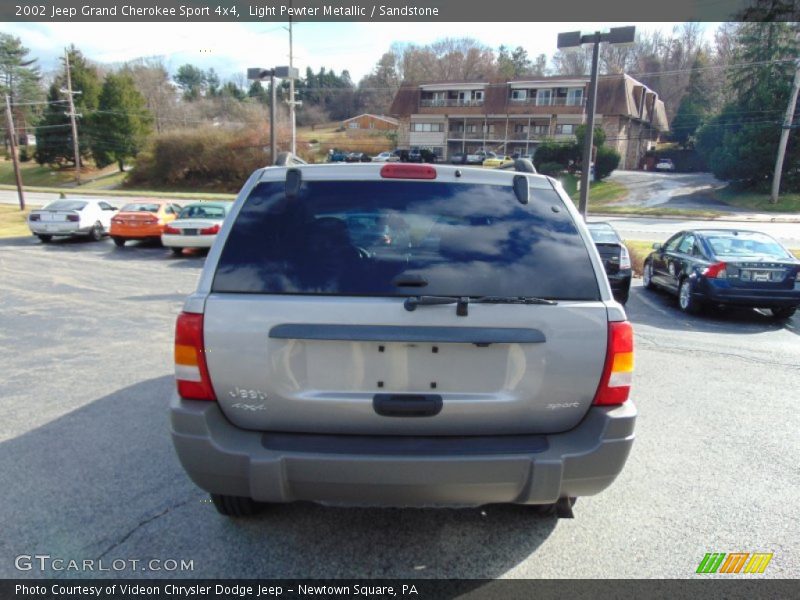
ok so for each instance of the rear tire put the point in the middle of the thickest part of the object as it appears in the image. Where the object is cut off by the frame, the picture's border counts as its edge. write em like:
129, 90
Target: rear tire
686, 301
177, 251
45, 239
96, 233
236, 506
647, 275
119, 242
781, 314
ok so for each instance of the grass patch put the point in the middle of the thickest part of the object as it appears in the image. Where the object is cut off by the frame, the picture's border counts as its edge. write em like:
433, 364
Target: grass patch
13, 221
601, 193
658, 212
755, 200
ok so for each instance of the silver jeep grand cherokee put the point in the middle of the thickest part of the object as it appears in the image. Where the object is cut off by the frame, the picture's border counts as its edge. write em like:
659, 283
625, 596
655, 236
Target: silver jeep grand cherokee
402, 335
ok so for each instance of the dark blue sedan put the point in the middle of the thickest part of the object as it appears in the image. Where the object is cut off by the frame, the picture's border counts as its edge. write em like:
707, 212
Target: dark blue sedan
706, 267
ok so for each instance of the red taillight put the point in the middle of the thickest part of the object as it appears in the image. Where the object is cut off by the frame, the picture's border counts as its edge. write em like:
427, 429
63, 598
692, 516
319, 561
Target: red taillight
191, 371
615, 385
171, 230
406, 171
73, 218
35, 217
210, 230
716, 271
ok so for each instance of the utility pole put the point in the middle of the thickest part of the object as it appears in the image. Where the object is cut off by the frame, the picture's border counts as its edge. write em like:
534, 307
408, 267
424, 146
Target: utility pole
787, 124
12, 142
72, 115
273, 147
291, 101
572, 39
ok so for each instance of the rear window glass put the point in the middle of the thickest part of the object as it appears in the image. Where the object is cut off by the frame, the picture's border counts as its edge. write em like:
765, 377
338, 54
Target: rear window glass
202, 211
746, 244
603, 234
140, 207
371, 237
66, 205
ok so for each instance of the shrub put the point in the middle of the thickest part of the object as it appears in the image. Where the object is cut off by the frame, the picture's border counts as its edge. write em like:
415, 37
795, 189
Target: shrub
220, 159
553, 152
553, 169
606, 160
24, 156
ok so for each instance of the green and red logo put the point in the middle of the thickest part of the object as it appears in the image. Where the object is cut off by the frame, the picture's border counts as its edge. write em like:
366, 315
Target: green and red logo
734, 562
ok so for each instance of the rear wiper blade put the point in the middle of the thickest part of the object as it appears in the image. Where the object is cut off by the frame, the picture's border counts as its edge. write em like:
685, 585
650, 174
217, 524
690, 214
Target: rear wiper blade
513, 300
411, 303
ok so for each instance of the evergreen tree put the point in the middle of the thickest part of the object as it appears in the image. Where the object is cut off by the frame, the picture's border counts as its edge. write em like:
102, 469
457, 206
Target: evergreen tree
122, 122
54, 135
191, 80
740, 144
19, 78
694, 105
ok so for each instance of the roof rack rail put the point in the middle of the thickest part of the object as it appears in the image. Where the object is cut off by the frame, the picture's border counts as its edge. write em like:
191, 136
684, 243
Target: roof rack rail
523, 165
287, 159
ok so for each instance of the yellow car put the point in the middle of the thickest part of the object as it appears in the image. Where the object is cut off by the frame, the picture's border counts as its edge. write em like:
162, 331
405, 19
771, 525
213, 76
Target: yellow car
498, 161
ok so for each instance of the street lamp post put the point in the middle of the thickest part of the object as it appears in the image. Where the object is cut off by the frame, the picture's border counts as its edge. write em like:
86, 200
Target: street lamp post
259, 74
572, 39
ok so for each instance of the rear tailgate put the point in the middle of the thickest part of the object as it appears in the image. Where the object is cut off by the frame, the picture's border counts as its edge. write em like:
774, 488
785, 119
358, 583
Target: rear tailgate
305, 329
311, 385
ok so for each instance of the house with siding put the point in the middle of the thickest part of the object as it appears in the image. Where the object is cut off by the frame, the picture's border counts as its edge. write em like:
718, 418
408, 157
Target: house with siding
516, 116
370, 123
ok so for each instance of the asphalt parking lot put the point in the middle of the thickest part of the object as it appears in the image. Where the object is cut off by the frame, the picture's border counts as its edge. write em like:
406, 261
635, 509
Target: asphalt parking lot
89, 472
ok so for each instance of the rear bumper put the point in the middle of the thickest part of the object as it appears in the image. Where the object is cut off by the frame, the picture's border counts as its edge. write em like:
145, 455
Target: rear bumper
722, 293
55, 229
188, 241
224, 459
136, 233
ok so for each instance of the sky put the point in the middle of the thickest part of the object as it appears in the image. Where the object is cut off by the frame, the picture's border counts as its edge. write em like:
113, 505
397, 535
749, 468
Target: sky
230, 48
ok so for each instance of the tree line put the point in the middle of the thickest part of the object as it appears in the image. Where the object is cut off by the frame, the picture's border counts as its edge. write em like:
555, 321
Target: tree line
725, 97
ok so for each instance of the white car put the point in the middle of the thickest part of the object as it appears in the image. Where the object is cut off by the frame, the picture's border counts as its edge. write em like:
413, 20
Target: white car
385, 157
72, 217
665, 164
197, 226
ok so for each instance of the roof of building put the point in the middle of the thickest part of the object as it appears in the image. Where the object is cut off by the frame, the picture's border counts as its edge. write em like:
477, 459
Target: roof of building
389, 120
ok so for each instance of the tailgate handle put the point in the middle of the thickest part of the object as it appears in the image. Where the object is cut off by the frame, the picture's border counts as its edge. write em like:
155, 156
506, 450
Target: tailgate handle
407, 405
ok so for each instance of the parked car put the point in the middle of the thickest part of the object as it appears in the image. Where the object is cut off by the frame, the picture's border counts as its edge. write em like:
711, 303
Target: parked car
616, 258
665, 164
72, 217
432, 373
197, 226
142, 220
706, 267
357, 157
497, 161
385, 157
459, 158
477, 158
414, 155
337, 156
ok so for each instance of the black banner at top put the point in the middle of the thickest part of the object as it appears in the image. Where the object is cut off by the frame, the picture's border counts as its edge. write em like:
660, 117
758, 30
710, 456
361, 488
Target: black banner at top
398, 10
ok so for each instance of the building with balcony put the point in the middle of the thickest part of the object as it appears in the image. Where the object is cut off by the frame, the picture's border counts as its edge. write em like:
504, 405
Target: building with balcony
510, 117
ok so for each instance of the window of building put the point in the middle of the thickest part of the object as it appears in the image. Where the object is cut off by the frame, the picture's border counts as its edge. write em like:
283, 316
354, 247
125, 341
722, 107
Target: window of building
519, 95
427, 127
565, 129
478, 95
520, 128
471, 128
575, 97
544, 97
353, 124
